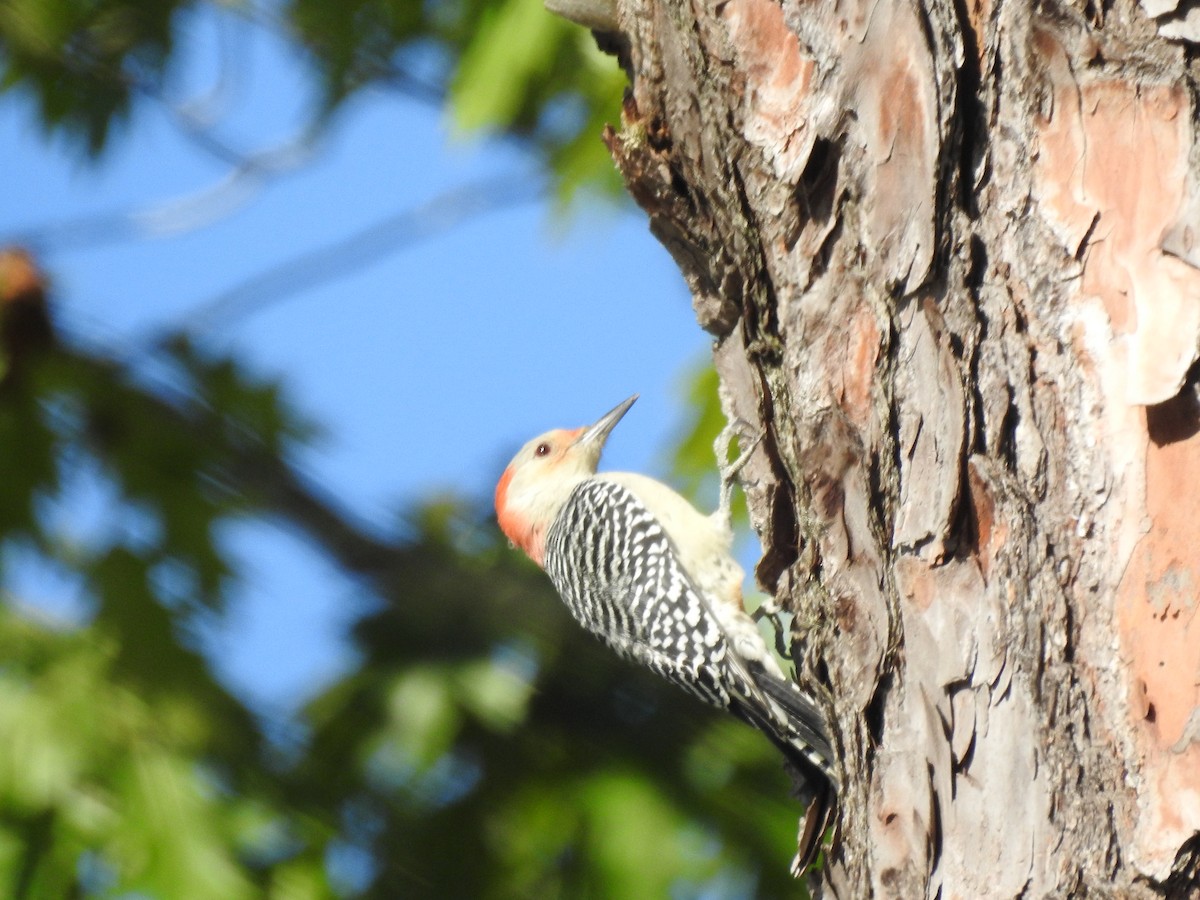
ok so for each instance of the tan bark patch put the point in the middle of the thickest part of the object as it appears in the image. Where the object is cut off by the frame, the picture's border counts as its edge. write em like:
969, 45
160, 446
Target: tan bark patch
954, 687
914, 578
1112, 179
931, 435
990, 534
895, 102
947, 602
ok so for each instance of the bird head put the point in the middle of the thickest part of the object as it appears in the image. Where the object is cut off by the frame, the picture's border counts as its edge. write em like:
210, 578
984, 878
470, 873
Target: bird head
542, 475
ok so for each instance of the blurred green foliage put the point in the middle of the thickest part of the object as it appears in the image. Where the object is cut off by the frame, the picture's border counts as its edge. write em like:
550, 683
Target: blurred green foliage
483, 746
502, 65
84, 60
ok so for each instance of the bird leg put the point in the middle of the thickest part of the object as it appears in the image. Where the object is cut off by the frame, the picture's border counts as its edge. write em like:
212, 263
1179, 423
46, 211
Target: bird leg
724, 515
770, 611
729, 470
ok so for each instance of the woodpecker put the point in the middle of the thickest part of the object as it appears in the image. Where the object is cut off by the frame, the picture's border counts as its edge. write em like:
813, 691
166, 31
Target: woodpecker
653, 578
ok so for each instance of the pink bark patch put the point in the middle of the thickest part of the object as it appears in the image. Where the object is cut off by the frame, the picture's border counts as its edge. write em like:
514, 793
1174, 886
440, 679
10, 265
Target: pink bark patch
991, 535
1112, 178
777, 79
1160, 640
861, 351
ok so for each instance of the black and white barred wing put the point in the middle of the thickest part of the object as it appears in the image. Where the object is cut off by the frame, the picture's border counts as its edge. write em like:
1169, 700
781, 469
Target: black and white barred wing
615, 569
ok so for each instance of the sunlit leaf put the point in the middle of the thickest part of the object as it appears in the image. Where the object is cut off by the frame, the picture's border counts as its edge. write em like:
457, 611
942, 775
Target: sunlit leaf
513, 45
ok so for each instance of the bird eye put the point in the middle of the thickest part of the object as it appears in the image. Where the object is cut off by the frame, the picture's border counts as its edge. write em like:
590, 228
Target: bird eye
543, 449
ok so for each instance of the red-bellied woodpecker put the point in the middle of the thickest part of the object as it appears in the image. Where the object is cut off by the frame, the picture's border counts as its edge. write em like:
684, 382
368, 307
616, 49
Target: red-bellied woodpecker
639, 567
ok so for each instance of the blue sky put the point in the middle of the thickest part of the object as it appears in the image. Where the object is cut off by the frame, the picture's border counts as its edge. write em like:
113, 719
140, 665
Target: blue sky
427, 368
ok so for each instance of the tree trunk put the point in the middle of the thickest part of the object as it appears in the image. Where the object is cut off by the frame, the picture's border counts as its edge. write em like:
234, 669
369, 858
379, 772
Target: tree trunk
948, 252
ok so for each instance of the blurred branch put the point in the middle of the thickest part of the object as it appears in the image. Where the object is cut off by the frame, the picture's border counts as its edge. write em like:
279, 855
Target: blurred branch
348, 255
251, 469
298, 501
174, 216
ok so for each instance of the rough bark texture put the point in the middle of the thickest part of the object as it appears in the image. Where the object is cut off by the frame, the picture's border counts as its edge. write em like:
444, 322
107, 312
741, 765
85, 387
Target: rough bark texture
949, 252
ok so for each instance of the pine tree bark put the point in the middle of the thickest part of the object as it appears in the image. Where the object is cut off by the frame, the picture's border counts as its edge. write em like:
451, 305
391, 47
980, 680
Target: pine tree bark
948, 252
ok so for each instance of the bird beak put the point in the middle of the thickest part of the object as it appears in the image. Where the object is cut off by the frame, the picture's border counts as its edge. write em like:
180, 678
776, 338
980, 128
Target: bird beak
597, 434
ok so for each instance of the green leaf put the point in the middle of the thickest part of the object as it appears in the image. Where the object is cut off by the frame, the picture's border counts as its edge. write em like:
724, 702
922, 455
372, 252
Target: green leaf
496, 694
514, 46
188, 856
634, 835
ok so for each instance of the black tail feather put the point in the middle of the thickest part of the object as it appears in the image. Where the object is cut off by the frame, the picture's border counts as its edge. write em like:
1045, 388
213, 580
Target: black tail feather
817, 818
805, 719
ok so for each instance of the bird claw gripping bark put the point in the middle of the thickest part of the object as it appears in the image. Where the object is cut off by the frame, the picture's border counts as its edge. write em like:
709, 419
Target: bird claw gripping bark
724, 515
730, 470
770, 611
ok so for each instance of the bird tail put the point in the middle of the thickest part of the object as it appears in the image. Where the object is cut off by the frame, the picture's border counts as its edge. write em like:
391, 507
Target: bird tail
796, 725
798, 728
807, 734
818, 815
